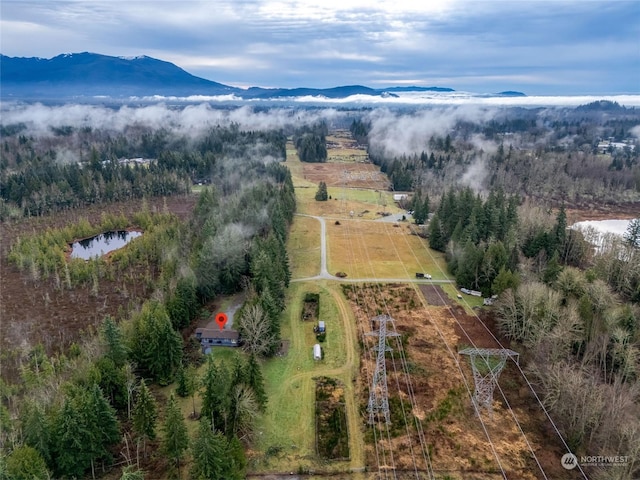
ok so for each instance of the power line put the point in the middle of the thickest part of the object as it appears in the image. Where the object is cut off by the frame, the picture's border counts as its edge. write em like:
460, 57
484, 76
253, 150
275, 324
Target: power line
528, 382
378, 394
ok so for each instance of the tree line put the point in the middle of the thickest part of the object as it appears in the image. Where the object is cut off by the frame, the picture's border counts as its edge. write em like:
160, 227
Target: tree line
537, 153
571, 309
76, 168
311, 142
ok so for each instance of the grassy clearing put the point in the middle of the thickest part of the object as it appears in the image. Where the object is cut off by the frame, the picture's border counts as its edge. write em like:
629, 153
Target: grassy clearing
286, 432
304, 247
469, 302
287, 438
363, 203
377, 249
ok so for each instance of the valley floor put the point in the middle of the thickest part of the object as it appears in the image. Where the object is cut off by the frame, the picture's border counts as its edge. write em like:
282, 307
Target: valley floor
434, 430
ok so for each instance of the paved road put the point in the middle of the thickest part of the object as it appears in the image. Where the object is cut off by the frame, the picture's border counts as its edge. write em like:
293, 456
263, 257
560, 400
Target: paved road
324, 273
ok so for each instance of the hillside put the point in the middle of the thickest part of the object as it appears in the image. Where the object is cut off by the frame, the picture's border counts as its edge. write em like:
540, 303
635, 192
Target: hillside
90, 74
78, 75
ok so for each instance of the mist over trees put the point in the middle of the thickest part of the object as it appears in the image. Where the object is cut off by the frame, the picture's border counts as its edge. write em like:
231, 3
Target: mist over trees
590, 153
233, 240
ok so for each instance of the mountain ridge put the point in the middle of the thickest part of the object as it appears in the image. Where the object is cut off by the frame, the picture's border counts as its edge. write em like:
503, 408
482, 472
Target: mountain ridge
88, 74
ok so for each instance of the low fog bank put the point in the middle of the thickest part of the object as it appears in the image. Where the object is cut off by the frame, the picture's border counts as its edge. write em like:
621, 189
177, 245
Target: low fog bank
189, 120
398, 133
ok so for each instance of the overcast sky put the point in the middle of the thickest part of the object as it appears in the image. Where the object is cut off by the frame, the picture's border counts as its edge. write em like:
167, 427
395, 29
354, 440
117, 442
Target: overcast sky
544, 47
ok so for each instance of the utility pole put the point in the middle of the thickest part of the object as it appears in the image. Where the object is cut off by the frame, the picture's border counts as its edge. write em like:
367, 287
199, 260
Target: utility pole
487, 364
378, 394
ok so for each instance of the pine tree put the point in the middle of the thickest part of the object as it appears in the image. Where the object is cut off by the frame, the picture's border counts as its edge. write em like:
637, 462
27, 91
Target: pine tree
26, 463
322, 195
256, 381
130, 473
437, 240
238, 373
36, 429
215, 397
182, 389
632, 235
70, 439
116, 349
176, 438
145, 415
84, 430
155, 346
208, 450
560, 231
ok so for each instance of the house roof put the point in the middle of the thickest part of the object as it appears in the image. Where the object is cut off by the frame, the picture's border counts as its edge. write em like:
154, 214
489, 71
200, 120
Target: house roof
216, 333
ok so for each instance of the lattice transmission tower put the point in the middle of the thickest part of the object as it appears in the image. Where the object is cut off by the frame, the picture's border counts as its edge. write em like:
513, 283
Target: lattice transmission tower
379, 395
487, 364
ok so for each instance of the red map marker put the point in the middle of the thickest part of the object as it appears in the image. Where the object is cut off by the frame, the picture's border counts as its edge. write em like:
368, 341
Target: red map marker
221, 319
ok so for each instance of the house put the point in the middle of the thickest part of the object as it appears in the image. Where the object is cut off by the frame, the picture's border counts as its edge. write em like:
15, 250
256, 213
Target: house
212, 336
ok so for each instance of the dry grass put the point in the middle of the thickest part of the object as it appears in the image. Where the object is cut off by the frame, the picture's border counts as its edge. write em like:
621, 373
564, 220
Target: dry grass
304, 247
364, 249
352, 175
365, 204
457, 442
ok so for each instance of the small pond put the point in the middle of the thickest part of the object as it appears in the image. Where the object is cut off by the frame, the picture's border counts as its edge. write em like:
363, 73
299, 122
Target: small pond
617, 227
102, 244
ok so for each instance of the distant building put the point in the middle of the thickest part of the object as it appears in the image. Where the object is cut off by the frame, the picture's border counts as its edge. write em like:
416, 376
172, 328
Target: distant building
607, 146
212, 336
400, 196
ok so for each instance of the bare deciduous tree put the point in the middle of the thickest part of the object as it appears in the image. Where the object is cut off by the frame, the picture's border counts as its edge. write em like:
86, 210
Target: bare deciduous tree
254, 328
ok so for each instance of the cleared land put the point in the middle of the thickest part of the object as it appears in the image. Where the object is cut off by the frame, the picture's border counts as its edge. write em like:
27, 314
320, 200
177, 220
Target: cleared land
432, 417
355, 175
344, 149
365, 249
434, 426
304, 247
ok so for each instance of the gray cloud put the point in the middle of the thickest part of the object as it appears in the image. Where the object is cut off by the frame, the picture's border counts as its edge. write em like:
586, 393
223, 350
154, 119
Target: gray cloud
541, 47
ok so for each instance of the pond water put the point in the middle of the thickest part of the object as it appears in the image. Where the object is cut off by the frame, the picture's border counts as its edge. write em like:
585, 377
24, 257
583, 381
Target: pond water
602, 232
617, 227
102, 244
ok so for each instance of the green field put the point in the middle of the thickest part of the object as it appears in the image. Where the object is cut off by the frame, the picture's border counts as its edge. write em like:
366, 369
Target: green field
304, 247
286, 435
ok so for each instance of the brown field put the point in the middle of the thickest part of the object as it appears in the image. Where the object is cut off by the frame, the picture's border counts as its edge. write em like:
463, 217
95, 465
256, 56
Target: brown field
355, 175
36, 312
441, 405
341, 147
